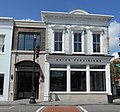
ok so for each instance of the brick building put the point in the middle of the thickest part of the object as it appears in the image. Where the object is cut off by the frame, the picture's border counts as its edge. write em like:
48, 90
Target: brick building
22, 59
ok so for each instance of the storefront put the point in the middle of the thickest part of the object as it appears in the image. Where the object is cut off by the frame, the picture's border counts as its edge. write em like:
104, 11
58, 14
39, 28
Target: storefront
75, 78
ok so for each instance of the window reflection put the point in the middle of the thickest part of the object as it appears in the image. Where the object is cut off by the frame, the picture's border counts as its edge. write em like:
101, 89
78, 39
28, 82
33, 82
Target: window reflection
58, 81
25, 41
78, 81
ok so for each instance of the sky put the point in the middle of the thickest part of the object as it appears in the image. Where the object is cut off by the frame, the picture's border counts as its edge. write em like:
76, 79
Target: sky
31, 9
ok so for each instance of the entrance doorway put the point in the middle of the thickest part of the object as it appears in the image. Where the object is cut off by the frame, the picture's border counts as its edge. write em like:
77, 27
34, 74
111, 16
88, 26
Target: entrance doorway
24, 79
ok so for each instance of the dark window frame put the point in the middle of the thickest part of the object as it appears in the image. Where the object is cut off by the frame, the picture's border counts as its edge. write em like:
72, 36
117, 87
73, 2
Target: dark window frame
25, 34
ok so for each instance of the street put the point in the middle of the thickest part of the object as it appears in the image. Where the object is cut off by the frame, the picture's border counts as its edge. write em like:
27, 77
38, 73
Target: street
83, 108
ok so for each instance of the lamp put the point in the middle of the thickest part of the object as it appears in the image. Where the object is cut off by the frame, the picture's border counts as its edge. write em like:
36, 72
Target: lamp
32, 98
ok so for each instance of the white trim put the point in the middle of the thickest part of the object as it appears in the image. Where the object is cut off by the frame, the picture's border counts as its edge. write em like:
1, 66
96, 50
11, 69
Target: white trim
53, 41
88, 78
68, 78
82, 41
101, 42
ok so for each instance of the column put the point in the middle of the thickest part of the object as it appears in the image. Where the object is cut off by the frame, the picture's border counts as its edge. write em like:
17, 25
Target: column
68, 79
108, 80
88, 78
47, 82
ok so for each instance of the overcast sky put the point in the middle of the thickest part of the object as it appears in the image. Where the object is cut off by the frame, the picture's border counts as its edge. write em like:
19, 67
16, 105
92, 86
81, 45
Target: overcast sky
31, 9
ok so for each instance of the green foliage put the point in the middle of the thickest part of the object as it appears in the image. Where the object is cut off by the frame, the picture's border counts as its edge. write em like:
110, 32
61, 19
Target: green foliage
114, 70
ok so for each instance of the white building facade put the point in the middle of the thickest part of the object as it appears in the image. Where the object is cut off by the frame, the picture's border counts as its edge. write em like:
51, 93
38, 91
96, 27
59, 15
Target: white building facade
6, 31
77, 66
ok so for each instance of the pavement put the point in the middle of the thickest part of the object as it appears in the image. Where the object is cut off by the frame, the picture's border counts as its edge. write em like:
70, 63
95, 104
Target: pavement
49, 103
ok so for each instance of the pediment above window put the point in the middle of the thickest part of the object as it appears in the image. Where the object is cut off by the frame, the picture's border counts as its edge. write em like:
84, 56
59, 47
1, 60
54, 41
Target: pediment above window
77, 28
96, 30
58, 27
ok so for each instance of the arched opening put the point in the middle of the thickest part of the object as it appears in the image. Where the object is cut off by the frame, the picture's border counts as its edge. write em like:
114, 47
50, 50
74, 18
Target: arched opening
24, 71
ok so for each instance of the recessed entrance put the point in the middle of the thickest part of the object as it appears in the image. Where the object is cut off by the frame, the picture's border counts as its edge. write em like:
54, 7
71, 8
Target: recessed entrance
24, 79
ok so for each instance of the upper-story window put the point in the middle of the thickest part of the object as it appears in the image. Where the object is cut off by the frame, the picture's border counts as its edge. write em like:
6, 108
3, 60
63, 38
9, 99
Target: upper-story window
25, 41
77, 42
58, 44
2, 43
96, 43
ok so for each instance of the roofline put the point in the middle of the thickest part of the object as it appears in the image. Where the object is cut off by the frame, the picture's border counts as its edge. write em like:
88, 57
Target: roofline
29, 23
68, 13
6, 18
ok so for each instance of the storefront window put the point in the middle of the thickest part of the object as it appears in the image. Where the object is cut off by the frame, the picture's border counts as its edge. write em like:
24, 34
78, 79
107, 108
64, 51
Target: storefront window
78, 81
1, 83
58, 81
97, 81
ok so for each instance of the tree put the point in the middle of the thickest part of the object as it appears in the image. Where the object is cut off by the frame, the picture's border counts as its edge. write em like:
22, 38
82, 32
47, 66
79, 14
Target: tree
114, 70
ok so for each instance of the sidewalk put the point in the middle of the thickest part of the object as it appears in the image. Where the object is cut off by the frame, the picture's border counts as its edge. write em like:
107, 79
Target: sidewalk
49, 103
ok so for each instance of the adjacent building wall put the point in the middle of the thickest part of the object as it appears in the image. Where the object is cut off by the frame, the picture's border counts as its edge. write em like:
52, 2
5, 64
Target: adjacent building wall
6, 29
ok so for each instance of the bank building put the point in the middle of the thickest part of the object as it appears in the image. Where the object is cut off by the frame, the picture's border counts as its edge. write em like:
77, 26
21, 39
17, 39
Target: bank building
73, 63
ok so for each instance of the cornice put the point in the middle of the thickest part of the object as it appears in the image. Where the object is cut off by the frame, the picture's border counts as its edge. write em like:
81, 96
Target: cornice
31, 24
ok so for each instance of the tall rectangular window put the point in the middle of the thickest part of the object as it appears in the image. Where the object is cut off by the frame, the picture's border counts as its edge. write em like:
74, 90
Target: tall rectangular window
58, 81
97, 81
96, 43
77, 42
2, 43
1, 83
78, 81
58, 41
25, 41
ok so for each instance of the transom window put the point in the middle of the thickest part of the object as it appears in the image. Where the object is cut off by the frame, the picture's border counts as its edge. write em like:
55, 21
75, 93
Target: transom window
25, 41
58, 41
96, 43
2, 43
77, 42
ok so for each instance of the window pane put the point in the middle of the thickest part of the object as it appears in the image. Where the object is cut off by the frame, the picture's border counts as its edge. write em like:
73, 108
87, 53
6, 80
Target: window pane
78, 81
1, 83
77, 42
58, 41
21, 42
96, 42
2, 44
78, 66
26, 41
97, 66
29, 42
58, 66
38, 40
97, 81
2, 39
58, 81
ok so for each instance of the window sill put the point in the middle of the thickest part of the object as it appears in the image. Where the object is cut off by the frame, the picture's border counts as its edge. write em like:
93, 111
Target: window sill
58, 52
78, 53
95, 92
2, 53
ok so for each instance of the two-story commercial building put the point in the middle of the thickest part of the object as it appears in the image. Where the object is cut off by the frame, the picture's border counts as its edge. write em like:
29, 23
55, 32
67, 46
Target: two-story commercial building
6, 31
25, 32
77, 66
